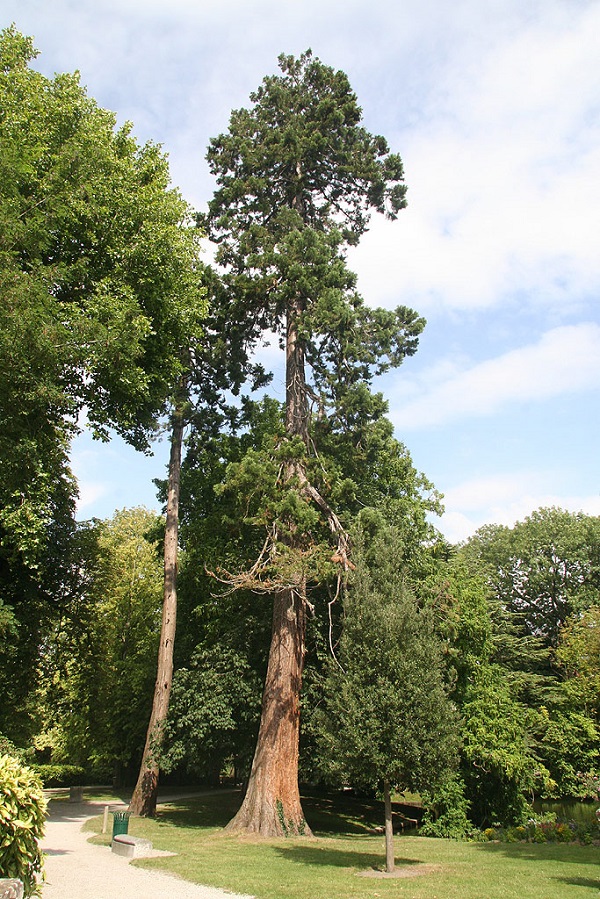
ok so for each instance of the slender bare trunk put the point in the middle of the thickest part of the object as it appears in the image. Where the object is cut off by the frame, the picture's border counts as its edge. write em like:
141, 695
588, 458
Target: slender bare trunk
389, 829
143, 800
272, 804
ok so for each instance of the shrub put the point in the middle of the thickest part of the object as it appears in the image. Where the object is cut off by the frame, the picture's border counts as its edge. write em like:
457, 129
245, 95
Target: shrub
446, 811
7, 747
60, 775
22, 811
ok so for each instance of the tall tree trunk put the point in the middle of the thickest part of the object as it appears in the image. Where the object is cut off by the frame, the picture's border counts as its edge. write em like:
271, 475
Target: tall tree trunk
272, 804
143, 800
389, 829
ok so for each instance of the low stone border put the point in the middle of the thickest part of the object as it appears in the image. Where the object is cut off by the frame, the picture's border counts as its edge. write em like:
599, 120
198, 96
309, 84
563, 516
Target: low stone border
131, 847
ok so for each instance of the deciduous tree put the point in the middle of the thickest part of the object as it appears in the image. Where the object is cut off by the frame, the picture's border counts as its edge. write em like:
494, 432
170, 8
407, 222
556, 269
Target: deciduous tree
100, 291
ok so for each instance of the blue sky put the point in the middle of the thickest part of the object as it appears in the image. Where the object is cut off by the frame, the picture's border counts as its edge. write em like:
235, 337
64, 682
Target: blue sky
494, 106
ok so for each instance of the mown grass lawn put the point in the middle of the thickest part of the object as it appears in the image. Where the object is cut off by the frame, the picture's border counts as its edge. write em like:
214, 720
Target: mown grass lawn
334, 863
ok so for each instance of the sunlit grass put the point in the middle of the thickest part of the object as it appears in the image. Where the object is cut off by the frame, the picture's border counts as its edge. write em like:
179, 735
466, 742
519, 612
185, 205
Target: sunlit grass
345, 848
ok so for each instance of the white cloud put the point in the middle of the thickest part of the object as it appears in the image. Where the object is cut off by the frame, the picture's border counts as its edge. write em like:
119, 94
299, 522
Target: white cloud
90, 493
565, 360
505, 499
503, 172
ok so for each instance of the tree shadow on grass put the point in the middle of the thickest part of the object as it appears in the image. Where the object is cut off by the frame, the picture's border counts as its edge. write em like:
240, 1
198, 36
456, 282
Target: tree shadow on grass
535, 852
214, 810
306, 854
337, 813
580, 882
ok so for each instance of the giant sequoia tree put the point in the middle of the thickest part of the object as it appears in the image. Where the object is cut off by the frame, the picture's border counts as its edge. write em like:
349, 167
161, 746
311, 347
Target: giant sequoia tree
298, 177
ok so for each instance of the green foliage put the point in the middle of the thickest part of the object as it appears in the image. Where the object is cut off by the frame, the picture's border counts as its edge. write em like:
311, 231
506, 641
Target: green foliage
386, 715
458, 600
446, 810
303, 137
569, 740
7, 747
578, 655
22, 811
99, 668
100, 291
500, 766
213, 714
543, 569
543, 577
93, 237
60, 775
297, 179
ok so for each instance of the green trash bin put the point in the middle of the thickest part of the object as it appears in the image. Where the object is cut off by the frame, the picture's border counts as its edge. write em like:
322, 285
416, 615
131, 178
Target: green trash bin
120, 823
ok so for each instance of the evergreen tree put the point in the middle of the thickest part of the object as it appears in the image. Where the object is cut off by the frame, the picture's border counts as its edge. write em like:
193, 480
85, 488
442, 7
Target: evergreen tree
387, 720
297, 179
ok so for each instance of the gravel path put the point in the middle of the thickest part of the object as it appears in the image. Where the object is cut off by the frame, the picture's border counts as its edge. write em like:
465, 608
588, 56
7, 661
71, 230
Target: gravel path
76, 869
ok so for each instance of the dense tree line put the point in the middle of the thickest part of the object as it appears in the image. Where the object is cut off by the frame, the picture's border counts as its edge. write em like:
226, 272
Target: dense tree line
321, 616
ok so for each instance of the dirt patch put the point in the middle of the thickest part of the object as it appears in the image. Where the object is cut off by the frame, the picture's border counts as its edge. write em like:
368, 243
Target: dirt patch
402, 871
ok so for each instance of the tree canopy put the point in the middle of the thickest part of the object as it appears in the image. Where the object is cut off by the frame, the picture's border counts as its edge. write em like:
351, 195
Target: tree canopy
387, 719
100, 290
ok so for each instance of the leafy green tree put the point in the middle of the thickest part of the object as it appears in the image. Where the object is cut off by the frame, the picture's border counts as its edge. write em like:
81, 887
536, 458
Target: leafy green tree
101, 296
38, 598
213, 714
297, 179
387, 719
543, 569
578, 655
500, 764
543, 576
568, 742
98, 665
569, 724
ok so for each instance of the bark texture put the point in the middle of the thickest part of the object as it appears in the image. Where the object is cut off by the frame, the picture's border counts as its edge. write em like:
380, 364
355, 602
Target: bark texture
272, 805
143, 800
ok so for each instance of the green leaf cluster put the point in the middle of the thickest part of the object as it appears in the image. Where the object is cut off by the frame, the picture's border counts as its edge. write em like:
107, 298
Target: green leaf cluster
213, 713
98, 669
22, 815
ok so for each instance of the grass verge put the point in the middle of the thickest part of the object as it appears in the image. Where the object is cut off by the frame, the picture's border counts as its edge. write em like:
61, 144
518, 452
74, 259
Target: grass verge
334, 863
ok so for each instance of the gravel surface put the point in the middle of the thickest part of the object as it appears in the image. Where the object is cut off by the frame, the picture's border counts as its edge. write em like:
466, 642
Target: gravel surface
76, 869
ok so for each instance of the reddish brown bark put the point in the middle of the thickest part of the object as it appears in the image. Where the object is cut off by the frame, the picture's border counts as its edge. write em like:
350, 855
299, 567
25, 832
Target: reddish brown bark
272, 804
143, 800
